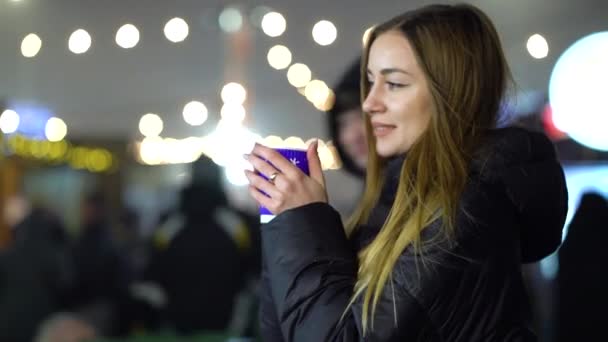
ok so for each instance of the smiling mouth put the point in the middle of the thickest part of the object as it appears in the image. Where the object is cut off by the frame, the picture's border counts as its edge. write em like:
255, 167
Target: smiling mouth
381, 130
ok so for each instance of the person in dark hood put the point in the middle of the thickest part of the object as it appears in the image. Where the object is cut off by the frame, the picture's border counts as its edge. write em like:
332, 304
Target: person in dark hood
345, 121
451, 209
582, 279
347, 131
102, 272
208, 257
35, 271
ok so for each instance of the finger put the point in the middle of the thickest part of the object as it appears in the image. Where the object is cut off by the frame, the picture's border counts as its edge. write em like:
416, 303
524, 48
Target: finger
262, 199
261, 165
262, 184
277, 160
314, 163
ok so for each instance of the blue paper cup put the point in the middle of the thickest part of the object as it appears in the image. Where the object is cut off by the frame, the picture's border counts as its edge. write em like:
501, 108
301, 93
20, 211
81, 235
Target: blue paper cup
296, 157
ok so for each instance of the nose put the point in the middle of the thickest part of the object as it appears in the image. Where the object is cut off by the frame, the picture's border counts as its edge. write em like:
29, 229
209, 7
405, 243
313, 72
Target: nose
373, 103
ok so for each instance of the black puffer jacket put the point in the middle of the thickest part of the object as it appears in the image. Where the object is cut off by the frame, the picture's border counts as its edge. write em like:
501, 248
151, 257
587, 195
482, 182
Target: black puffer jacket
512, 211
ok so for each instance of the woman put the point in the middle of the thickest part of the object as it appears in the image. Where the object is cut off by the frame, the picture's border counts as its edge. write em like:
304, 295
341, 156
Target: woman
433, 252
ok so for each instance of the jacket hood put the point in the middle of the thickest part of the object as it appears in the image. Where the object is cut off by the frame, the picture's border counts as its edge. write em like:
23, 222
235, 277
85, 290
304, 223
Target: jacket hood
524, 163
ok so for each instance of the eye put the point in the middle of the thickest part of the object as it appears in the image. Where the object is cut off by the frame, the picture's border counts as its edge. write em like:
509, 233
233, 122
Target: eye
393, 85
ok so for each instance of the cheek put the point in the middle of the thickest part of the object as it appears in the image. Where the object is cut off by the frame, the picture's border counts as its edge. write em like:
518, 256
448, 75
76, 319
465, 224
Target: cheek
427, 111
405, 111
414, 112
348, 133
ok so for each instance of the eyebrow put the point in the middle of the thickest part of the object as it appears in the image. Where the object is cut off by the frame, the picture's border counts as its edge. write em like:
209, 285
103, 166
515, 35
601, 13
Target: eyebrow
391, 71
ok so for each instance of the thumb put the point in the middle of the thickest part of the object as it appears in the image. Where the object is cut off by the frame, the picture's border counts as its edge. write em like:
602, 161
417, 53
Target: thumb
314, 163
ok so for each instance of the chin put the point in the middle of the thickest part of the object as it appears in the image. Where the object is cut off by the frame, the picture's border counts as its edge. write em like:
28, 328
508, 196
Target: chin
389, 151
385, 152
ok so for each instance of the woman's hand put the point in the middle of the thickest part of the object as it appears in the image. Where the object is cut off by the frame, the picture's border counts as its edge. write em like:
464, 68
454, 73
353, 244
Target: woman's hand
291, 188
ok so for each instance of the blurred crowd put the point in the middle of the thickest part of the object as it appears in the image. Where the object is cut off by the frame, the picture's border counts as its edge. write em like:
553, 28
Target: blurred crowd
195, 273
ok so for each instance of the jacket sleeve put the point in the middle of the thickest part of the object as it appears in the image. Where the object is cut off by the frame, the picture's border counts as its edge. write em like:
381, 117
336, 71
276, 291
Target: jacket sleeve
270, 329
312, 271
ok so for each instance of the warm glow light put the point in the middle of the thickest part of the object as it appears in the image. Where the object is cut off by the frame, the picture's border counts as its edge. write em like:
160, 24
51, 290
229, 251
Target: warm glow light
279, 57
231, 20
79, 42
299, 75
58, 150
152, 150
328, 103
235, 174
195, 113
273, 141
234, 93
294, 142
127, 36
98, 160
537, 46
150, 125
55, 129
9, 121
317, 91
233, 113
274, 24
337, 163
30, 46
176, 30
326, 157
228, 142
324, 32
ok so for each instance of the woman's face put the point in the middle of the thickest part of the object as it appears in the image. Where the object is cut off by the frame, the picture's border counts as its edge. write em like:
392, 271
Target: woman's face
399, 101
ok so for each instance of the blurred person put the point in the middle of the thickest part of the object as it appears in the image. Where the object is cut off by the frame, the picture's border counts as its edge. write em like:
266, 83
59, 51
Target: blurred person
101, 270
65, 327
35, 271
451, 209
206, 255
582, 281
130, 240
16, 209
347, 131
346, 124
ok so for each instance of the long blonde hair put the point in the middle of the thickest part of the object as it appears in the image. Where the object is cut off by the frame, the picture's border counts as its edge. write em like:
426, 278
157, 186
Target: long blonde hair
459, 52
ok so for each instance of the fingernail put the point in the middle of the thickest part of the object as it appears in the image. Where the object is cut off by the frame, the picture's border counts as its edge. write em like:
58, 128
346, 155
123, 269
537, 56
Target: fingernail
246, 156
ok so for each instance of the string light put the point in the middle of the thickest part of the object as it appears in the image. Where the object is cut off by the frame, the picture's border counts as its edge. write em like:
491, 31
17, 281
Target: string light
324, 32
127, 36
79, 42
176, 30
30, 46
91, 159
